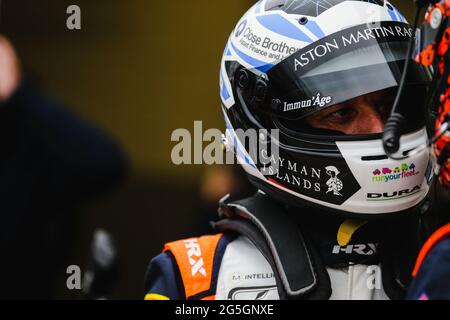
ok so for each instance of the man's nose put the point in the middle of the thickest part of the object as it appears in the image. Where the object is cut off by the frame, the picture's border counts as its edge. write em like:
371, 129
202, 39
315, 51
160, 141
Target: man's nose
370, 121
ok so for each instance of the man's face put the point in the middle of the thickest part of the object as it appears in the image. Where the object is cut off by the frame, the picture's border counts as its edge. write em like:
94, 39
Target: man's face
9, 70
362, 115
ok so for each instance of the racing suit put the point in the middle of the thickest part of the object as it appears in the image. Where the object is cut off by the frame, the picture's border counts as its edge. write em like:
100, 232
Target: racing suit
432, 270
341, 259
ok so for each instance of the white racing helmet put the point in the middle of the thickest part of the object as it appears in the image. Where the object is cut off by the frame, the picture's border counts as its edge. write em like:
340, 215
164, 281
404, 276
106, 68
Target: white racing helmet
286, 60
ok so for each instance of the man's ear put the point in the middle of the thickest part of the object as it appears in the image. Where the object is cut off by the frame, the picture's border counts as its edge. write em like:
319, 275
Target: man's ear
10, 73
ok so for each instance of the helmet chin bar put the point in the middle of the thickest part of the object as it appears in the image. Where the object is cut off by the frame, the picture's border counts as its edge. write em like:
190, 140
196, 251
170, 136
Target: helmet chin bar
374, 198
426, 147
305, 207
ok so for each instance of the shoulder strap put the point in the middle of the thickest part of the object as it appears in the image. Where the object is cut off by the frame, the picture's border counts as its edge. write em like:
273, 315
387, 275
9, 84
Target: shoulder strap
296, 265
439, 235
195, 258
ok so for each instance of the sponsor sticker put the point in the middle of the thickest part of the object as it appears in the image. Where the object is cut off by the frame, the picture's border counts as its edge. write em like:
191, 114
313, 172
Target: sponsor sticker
385, 174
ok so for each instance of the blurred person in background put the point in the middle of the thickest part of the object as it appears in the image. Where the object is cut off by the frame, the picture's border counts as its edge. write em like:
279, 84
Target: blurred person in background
51, 164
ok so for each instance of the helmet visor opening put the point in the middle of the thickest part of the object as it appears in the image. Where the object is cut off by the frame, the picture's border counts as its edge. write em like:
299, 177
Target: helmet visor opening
347, 117
341, 68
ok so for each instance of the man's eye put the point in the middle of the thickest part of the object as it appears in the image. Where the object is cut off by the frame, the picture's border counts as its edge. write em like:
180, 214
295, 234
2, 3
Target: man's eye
384, 110
341, 114
384, 107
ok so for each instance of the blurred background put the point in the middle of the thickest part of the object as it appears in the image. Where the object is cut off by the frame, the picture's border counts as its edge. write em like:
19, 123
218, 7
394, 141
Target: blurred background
137, 69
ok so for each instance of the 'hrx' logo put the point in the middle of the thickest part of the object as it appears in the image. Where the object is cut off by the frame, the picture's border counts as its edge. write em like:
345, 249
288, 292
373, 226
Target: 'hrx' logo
194, 251
361, 249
